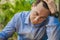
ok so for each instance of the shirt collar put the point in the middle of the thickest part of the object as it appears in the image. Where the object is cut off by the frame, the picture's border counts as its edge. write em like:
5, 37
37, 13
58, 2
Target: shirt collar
27, 20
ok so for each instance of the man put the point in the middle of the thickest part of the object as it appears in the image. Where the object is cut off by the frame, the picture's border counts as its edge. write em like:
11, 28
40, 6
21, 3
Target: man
36, 24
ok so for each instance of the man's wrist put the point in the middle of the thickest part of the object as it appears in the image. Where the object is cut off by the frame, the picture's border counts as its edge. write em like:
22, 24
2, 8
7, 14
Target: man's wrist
56, 14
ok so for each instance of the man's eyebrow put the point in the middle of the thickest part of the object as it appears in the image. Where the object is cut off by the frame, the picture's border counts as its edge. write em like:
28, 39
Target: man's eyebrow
37, 13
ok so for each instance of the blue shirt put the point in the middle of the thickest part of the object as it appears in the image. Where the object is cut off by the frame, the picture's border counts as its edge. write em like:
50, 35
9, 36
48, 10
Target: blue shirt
25, 30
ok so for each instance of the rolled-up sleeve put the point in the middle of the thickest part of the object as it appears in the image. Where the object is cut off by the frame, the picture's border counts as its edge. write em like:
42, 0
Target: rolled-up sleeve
9, 29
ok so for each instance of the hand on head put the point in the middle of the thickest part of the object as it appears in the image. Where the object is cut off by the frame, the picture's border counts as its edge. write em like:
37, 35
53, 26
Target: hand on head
52, 6
39, 13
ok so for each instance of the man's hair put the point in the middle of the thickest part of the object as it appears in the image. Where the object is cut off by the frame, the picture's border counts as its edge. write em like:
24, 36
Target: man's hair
44, 3
46, 6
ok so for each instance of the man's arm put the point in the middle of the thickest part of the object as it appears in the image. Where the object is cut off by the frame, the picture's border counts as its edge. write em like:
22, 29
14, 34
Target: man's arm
52, 6
53, 28
55, 33
9, 29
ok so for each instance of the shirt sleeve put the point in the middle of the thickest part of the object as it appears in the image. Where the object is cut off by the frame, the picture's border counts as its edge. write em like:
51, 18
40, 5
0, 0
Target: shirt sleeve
53, 29
9, 29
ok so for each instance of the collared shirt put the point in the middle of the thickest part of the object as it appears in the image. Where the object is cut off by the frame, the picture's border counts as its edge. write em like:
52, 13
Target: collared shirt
25, 30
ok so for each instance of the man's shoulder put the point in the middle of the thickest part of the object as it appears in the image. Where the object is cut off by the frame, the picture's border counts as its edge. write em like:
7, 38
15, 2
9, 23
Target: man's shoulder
23, 13
53, 20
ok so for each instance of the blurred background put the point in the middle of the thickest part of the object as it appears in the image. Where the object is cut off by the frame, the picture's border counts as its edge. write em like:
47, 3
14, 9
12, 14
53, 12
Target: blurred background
9, 7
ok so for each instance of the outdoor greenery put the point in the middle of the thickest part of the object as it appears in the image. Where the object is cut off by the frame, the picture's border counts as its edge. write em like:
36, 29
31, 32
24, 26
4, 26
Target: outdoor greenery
9, 7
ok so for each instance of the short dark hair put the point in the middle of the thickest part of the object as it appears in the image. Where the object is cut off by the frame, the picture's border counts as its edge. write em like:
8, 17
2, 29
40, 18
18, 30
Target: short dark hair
44, 3
46, 6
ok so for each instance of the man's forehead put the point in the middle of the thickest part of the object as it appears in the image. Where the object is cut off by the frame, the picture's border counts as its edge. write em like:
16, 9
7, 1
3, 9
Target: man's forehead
40, 4
39, 7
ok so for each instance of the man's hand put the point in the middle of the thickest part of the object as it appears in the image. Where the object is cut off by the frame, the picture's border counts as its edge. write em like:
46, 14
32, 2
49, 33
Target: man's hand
52, 6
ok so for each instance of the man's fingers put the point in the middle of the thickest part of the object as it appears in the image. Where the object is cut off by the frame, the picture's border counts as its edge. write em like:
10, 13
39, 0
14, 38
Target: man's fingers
48, 1
52, 6
45, 1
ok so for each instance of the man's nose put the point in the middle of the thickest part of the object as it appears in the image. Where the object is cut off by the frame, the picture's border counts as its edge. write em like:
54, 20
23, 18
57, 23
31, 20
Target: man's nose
37, 18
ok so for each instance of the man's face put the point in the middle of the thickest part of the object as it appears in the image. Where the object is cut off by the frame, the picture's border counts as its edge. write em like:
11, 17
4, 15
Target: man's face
38, 14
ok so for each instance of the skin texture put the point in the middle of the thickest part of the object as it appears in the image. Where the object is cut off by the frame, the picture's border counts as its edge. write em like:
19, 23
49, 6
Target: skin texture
38, 14
52, 6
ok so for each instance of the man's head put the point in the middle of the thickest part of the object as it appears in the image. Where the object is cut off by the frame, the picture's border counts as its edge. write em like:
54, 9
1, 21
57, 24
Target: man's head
39, 12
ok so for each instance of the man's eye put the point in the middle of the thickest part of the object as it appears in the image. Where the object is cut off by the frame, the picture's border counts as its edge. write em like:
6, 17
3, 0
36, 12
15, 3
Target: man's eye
36, 13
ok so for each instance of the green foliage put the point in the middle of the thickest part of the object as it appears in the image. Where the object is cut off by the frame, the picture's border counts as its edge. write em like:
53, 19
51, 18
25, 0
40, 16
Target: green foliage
0, 0
9, 9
